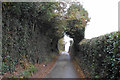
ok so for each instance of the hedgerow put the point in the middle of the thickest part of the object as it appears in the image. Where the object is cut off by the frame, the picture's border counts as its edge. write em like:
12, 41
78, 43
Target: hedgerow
100, 56
29, 32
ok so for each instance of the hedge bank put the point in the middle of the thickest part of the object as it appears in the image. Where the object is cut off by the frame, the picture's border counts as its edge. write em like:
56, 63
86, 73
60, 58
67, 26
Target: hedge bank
99, 57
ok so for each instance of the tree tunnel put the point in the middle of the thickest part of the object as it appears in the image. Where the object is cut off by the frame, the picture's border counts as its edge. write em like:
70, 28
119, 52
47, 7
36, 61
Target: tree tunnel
33, 33
32, 30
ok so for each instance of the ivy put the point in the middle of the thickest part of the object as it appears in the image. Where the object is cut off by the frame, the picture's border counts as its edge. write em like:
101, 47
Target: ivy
105, 56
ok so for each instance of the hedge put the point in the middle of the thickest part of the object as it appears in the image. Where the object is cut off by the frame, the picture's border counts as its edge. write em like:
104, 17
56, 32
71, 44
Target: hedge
100, 56
25, 35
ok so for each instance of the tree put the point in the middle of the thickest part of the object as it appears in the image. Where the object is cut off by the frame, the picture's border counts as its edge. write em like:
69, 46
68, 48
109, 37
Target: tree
77, 18
61, 45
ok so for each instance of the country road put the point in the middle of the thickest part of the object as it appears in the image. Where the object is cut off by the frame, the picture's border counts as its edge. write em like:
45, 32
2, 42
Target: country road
63, 68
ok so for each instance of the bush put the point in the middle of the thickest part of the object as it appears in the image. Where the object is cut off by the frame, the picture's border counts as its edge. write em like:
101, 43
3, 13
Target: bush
9, 65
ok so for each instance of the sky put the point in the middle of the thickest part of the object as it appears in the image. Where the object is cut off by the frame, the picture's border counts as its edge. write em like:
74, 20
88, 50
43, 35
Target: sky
67, 41
104, 18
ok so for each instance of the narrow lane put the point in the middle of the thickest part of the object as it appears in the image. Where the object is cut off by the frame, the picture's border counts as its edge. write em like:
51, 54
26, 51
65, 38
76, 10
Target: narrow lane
63, 68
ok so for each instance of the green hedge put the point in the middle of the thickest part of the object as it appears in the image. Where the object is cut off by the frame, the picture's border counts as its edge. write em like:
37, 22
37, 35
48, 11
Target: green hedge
100, 56
26, 34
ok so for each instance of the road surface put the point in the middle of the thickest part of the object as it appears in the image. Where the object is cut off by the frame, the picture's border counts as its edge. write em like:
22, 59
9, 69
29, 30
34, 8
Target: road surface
63, 68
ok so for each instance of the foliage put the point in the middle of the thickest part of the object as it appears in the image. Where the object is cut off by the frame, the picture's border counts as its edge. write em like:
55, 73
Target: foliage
101, 56
26, 73
61, 45
33, 29
8, 65
28, 28
77, 18
41, 14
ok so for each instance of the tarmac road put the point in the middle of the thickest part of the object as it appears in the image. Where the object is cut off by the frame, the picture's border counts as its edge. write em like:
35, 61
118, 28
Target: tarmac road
63, 68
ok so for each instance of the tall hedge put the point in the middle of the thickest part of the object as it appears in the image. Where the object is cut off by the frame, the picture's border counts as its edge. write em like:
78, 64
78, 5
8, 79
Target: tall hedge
30, 31
100, 57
